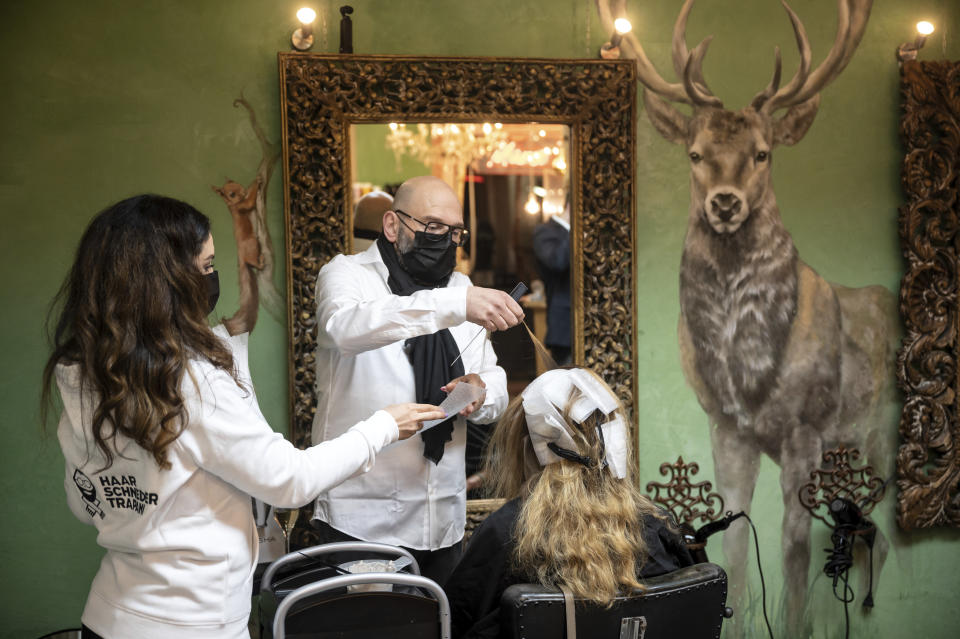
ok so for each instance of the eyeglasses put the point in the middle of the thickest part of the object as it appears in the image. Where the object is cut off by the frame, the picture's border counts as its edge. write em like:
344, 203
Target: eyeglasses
458, 235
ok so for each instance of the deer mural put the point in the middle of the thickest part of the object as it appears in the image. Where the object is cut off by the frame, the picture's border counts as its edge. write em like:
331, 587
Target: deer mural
783, 362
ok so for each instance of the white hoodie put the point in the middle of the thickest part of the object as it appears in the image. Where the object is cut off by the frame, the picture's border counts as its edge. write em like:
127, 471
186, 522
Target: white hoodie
181, 543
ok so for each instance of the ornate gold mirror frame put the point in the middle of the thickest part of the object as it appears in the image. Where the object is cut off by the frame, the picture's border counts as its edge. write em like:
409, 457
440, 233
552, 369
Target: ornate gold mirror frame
928, 462
322, 95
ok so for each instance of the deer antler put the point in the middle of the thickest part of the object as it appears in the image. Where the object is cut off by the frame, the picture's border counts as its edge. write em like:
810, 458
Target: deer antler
759, 99
851, 23
692, 90
681, 55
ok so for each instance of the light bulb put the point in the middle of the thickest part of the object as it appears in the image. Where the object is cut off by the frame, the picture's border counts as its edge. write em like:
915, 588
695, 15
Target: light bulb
306, 15
302, 38
924, 28
532, 206
611, 49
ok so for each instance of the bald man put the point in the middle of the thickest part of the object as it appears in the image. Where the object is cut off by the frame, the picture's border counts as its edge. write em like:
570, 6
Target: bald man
395, 324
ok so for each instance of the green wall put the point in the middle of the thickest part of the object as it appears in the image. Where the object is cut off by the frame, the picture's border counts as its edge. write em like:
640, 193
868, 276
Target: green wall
104, 99
376, 163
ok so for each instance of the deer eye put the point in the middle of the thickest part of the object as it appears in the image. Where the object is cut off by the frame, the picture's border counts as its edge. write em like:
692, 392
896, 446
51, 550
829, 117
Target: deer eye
762, 156
695, 157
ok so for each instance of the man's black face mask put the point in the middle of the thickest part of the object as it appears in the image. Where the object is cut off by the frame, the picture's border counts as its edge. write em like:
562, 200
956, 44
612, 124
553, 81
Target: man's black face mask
431, 258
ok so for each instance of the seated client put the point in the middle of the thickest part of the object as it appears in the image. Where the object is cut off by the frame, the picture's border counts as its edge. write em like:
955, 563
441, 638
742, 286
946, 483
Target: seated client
575, 518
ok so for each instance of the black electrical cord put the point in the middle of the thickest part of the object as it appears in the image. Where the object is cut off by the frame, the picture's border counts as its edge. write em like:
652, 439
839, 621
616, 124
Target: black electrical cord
839, 560
870, 536
763, 585
700, 537
868, 600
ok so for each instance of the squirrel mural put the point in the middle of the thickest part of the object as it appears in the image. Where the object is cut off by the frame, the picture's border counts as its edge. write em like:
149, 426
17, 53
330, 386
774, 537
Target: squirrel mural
242, 203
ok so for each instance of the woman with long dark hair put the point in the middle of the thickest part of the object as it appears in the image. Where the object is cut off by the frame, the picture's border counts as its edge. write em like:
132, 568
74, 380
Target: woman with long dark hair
575, 519
161, 433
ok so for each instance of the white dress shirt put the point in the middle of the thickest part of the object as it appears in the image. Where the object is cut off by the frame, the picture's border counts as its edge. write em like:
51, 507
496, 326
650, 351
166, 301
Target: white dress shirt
405, 499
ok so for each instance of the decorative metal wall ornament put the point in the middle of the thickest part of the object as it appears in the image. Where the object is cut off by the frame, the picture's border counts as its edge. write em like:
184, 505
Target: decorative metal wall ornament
322, 95
686, 500
838, 479
928, 470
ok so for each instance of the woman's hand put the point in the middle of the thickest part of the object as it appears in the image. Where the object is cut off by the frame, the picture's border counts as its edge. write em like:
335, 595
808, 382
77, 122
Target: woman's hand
410, 417
470, 378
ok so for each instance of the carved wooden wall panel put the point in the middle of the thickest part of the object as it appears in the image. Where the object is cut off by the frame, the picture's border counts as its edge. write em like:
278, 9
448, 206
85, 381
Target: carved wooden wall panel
928, 461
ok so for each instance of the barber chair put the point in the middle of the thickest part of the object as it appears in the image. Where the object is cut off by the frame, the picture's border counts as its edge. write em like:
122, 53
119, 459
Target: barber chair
688, 603
307, 595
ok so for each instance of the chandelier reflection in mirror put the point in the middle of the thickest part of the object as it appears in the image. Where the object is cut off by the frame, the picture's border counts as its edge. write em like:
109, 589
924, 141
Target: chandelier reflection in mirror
456, 149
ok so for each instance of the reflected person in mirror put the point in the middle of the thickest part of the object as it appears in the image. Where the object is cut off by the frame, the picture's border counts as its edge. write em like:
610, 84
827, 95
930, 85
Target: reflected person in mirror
367, 218
551, 246
162, 437
391, 323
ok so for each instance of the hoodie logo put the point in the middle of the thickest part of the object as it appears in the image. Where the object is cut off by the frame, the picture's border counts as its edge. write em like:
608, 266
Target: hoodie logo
89, 493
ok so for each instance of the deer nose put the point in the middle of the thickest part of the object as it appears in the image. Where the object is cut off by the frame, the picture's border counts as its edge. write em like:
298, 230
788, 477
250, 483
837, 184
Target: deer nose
725, 205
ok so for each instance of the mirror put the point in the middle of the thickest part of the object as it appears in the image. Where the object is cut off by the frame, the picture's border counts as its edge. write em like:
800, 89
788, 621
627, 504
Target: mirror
513, 182
322, 96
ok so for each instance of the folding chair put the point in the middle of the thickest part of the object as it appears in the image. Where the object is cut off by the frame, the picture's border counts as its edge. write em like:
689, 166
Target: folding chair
304, 596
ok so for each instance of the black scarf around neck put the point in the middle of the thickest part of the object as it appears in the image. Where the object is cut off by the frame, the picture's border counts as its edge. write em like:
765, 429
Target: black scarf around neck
430, 355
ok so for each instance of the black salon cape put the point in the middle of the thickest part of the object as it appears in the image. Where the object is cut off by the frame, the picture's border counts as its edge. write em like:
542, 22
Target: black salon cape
485, 571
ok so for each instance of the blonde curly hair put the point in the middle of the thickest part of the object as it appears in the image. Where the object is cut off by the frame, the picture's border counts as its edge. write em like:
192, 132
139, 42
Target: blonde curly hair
579, 526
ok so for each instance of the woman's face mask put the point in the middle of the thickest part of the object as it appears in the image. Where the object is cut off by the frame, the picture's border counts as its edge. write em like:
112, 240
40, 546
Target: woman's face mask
204, 262
213, 289
430, 259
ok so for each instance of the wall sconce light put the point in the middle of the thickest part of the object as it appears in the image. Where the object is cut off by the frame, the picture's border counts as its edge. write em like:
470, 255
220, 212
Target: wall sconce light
302, 38
611, 50
909, 50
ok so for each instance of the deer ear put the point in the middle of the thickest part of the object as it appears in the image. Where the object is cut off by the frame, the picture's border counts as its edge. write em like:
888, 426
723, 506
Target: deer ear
791, 128
669, 122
